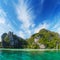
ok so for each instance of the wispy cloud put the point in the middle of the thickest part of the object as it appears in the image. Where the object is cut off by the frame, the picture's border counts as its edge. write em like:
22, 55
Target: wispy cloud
56, 27
4, 24
2, 21
21, 34
41, 26
2, 16
25, 15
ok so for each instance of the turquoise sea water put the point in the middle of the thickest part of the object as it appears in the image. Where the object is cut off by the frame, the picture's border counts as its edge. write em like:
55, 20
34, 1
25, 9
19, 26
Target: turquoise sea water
29, 55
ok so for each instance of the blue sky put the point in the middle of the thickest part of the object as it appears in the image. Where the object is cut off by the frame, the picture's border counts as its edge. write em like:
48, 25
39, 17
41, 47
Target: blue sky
26, 17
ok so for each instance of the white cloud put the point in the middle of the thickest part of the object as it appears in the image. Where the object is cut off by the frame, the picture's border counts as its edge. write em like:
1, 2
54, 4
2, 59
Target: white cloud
58, 30
28, 33
56, 27
2, 16
24, 13
41, 26
56, 23
5, 26
2, 21
26, 16
21, 34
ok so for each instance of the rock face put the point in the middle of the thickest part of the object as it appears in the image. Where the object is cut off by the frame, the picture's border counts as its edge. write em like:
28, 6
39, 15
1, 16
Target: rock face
12, 41
10, 35
42, 46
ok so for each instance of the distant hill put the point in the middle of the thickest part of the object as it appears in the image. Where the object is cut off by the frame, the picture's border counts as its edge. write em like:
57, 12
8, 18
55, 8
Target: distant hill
11, 40
44, 39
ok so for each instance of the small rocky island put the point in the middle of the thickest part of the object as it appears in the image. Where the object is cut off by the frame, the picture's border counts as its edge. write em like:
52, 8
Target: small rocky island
44, 39
11, 40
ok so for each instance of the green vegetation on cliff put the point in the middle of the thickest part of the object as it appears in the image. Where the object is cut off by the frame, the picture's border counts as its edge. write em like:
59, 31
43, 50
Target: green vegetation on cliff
44, 39
11, 40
